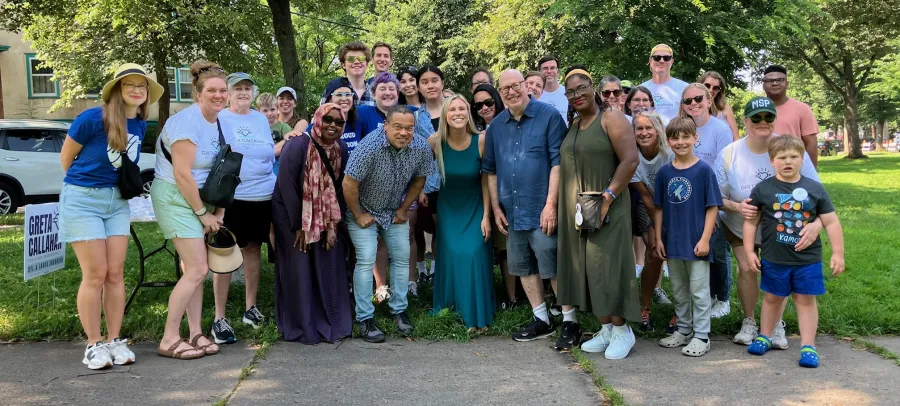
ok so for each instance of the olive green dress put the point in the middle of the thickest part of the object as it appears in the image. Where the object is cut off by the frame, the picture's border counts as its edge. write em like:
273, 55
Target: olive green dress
595, 269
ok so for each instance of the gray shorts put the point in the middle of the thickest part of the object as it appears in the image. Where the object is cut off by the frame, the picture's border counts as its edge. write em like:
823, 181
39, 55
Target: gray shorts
531, 252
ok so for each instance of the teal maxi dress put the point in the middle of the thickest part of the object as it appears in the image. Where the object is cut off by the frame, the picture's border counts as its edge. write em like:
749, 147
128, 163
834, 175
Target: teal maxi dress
464, 279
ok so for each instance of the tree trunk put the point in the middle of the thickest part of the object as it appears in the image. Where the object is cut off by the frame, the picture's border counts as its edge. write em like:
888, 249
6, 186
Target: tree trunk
287, 50
879, 133
162, 77
851, 118
846, 137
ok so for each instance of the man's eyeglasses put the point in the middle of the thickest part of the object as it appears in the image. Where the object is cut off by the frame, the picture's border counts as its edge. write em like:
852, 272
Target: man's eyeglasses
578, 91
398, 127
757, 118
487, 102
356, 58
775, 81
514, 87
657, 58
696, 99
331, 120
607, 93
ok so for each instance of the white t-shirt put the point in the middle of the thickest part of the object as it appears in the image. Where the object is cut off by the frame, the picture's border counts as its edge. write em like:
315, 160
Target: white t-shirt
189, 124
558, 100
713, 137
738, 170
252, 138
646, 170
666, 97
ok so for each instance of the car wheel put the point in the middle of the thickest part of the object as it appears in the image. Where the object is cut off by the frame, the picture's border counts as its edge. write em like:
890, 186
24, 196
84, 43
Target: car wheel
147, 181
9, 199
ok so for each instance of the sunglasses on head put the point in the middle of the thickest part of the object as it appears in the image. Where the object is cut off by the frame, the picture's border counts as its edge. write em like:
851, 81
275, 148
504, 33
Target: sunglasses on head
715, 88
487, 102
331, 120
657, 58
697, 99
355, 58
757, 118
607, 93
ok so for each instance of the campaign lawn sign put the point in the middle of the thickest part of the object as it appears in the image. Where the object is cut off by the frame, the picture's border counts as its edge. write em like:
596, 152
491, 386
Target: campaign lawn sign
44, 252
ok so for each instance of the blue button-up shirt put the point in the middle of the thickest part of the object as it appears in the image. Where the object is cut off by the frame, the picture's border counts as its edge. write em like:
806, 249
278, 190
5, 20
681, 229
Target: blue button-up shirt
384, 173
521, 153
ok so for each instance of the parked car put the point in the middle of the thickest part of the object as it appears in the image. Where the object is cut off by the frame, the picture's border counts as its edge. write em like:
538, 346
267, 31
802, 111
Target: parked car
30, 171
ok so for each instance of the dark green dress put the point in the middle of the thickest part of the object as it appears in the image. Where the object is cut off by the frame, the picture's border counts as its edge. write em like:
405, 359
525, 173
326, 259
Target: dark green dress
464, 279
595, 269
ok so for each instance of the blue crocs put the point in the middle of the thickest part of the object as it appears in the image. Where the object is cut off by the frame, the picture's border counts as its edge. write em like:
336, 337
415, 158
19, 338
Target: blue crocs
760, 345
809, 357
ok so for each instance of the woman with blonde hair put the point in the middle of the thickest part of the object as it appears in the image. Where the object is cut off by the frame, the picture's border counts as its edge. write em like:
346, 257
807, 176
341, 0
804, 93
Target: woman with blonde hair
719, 107
185, 152
93, 216
464, 281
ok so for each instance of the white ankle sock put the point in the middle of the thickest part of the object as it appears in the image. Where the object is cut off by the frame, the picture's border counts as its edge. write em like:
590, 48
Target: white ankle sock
433, 267
623, 329
570, 316
541, 313
420, 266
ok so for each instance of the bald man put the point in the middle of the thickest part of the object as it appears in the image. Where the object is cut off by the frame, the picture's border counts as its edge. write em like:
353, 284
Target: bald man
666, 89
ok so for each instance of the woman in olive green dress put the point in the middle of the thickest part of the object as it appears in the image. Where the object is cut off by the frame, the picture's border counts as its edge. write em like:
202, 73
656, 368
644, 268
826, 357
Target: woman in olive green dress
596, 268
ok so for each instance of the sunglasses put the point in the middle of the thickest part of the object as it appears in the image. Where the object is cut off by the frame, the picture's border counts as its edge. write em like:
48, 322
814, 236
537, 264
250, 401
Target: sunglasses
486, 102
331, 120
342, 94
757, 118
657, 58
607, 93
697, 99
354, 58
711, 87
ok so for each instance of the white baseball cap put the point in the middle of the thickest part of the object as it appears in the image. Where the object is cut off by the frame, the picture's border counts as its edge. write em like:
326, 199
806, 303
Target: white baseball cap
286, 89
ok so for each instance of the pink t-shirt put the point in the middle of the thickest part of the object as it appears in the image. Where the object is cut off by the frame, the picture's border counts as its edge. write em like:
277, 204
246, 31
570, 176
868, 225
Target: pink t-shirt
795, 118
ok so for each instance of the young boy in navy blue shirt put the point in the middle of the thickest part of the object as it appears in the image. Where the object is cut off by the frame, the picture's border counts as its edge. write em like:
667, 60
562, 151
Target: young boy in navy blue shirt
687, 201
787, 203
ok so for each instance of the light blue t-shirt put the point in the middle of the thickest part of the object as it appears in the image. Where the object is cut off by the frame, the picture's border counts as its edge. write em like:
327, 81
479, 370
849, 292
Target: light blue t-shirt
712, 138
666, 97
252, 138
97, 165
189, 124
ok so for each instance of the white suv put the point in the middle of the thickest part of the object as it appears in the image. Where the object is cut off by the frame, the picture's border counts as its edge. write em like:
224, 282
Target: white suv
30, 171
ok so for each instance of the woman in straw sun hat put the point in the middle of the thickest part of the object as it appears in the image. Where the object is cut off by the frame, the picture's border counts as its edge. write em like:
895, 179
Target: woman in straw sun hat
93, 216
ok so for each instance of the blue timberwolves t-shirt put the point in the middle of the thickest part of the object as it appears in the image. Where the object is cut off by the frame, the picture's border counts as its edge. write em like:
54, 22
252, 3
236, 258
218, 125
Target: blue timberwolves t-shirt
786, 208
97, 165
684, 195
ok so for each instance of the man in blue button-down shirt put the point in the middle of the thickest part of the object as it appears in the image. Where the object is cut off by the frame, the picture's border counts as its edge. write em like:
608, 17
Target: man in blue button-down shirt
521, 162
384, 176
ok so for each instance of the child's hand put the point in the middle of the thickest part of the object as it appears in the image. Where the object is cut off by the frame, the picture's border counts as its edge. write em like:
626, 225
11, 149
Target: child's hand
837, 265
702, 248
753, 260
660, 249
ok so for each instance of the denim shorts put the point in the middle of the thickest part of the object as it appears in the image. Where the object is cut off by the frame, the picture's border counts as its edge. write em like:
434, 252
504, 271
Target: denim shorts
174, 215
88, 213
531, 252
782, 280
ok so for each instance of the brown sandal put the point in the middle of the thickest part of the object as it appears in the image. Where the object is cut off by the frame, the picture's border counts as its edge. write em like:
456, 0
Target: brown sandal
204, 348
172, 353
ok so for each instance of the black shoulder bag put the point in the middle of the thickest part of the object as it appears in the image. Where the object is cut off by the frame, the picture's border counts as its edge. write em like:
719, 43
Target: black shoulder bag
224, 176
130, 184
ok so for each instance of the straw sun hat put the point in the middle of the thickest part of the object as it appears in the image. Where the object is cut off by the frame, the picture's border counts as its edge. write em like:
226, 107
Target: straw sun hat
128, 69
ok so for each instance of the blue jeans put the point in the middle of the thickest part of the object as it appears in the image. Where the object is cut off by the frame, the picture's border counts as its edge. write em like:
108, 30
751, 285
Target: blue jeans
720, 268
366, 242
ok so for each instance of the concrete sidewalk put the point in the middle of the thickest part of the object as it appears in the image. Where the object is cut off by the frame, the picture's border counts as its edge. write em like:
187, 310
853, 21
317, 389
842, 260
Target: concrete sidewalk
489, 370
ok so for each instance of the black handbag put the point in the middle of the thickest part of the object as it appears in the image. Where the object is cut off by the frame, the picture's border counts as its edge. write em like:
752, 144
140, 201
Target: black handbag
224, 176
130, 184
587, 204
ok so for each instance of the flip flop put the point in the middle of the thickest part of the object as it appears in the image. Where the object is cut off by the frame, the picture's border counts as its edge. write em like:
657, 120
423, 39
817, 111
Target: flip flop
172, 353
204, 348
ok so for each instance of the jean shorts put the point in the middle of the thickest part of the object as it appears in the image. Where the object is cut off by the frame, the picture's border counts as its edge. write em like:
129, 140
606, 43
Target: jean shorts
531, 252
88, 213
782, 280
174, 215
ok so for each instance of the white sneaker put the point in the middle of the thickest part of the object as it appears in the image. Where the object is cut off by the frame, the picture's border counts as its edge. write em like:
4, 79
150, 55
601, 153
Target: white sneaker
779, 341
715, 308
382, 293
413, 289
97, 356
119, 352
725, 309
620, 343
600, 341
748, 332
661, 297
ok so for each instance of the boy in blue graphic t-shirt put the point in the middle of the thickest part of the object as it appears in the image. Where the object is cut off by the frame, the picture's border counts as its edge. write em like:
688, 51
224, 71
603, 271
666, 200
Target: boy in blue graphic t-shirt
687, 201
787, 203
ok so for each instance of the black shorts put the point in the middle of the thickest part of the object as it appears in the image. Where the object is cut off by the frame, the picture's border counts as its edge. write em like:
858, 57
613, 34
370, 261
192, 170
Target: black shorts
425, 222
249, 221
640, 220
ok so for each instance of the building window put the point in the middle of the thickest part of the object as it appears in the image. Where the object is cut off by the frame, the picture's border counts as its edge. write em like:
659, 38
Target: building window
40, 79
173, 83
184, 83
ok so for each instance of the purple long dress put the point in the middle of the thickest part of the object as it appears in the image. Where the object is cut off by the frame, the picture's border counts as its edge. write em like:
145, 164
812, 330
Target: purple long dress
312, 296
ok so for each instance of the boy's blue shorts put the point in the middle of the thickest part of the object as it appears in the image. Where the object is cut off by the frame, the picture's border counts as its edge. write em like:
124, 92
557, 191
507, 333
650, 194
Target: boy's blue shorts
782, 280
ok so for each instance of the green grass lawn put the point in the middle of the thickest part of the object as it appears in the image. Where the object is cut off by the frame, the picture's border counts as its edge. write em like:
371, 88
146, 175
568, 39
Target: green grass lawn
863, 301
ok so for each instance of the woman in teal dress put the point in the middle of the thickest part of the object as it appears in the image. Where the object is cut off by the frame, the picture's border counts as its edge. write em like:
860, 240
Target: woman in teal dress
464, 279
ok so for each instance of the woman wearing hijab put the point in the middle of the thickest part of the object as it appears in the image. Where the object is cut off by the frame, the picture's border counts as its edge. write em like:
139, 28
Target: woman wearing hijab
312, 301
